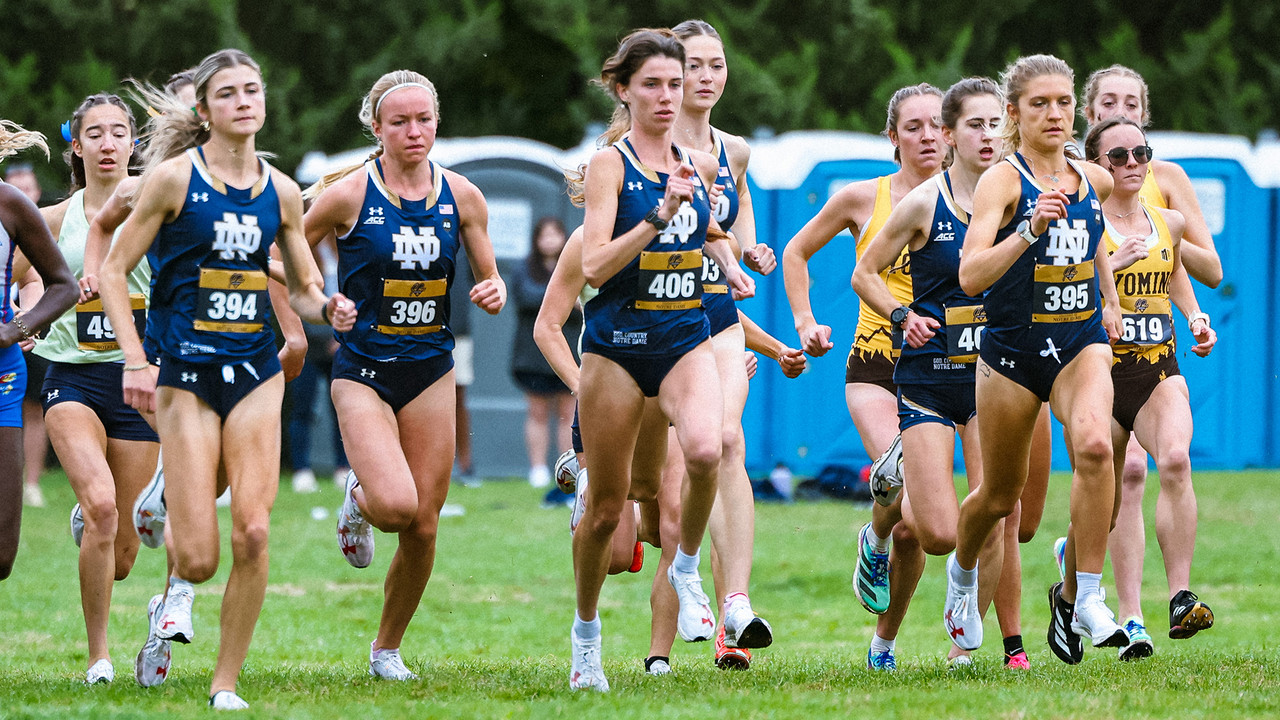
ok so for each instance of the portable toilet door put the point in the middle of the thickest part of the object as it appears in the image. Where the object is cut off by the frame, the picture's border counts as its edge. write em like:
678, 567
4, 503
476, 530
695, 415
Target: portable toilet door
1266, 168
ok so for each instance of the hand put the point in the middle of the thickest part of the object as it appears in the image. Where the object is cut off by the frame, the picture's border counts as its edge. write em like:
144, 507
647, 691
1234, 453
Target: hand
1205, 336
917, 330
140, 389
760, 259
88, 288
752, 363
792, 362
489, 295
1111, 323
1130, 251
27, 345
816, 339
1050, 206
292, 357
9, 334
679, 189
341, 312
741, 284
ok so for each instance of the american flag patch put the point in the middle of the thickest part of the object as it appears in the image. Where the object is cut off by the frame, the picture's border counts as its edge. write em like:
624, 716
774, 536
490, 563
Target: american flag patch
724, 172
446, 209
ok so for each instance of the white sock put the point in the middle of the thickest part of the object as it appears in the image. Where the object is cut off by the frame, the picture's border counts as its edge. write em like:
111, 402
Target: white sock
375, 651
880, 645
1087, 585
960, 576
584, 629
879, 544
176, 583
685, 564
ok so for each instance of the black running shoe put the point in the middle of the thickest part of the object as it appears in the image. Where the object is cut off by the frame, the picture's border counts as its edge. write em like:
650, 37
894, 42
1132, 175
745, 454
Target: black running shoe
1188, 616
1064, 643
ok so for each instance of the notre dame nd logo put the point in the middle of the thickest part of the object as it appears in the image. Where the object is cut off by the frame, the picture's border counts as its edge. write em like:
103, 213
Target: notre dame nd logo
415, 247
683, 224
1068, 244
236, 236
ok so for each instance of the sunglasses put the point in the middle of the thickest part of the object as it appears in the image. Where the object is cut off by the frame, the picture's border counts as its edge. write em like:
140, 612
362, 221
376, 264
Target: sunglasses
1119, 155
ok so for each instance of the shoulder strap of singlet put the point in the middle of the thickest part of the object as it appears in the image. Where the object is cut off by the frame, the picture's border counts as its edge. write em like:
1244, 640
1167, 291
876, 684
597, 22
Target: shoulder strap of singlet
947, 194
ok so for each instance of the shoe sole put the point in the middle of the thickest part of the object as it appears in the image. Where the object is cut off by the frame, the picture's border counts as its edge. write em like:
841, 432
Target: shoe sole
1117, 639
1066, 656
176, 637
757, 634
733, 661
1199, 618
1137, 651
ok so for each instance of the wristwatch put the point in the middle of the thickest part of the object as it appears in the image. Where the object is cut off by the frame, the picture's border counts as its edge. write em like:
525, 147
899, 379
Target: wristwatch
654, 219
1198, 316
1024, 230
899, 316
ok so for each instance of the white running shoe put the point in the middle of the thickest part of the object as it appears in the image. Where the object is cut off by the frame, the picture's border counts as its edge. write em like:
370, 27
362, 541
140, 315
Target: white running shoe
587, 672
695, 622
566, 471
174, 622
540, 476
960, 615
355, 536
32, 496
149, 513
744, 629
77, 524
1094, 620
388, 665
886, 473
658, 668
151, 668
101, 672
227, 700
579, 501
304, 481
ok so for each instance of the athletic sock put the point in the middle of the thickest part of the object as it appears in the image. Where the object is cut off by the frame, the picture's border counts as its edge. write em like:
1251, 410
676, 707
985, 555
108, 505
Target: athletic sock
176, 583
879, 544
586, 629
1087, 585
880, 645
962, 577
649, 661
1013, 645
685, 564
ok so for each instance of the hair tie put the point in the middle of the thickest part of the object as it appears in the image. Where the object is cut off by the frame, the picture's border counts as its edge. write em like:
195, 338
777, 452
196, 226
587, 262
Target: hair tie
66, 131
393, 88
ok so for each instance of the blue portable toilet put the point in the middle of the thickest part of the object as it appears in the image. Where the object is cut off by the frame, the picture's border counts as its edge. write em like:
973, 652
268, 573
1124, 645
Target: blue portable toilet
1267, 173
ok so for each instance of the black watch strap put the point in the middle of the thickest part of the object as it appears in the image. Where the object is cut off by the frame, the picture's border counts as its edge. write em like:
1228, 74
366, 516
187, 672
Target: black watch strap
654, 219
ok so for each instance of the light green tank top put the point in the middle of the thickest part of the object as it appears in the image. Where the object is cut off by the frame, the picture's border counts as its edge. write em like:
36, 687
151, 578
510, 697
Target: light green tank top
63, 342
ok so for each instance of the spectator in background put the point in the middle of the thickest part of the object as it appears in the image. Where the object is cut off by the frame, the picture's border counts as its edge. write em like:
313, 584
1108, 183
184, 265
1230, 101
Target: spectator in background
464, 369
35, 442
547, 396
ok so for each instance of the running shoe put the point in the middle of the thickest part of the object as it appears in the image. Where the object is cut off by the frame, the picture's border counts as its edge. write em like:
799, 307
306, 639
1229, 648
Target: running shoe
227, 700
77, 524
1017, 661
32, 496
959, 662
355, 536
657, 666
152, 665
886, 474
871, 575
304, 481
695, 621
1060, 557
1140, 645
743, 628
1094, 620
883, 660
149, 513
388, 665
1063, 641
539, 476
587, 672
101, 672
637, 558
566, 471
175, 615
1188, 615
960, 615
730, 658
579, 502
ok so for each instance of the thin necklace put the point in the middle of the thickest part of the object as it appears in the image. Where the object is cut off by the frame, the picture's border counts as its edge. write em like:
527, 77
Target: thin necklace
1120, 216
1052, 175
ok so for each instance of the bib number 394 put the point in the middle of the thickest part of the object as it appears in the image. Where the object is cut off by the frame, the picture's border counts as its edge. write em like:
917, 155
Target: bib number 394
411, 307
670, 280
1064, 293
231, 301
93, 329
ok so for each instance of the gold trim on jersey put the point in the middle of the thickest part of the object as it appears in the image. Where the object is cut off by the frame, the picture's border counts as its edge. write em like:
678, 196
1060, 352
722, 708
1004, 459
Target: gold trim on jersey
650, 173
1081, 192
200, 166
873, 333
944, 189
1143, 287
437, 177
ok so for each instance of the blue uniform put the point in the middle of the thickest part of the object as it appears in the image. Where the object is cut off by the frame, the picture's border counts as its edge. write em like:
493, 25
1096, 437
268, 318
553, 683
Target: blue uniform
722, 311
936, 381
13, 371
397, 265
1046, 308
649, 314
209, 303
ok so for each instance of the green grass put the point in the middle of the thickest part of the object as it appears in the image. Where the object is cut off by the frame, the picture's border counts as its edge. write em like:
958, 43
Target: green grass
491, 636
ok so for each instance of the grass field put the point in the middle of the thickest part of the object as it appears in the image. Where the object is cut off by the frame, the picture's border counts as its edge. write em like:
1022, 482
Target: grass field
491, 636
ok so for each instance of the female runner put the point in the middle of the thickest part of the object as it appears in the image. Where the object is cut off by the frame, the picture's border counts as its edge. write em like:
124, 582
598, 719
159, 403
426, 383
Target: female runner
1152, 400
645, 231
862, 208
1032, 245
22, 229
106, 447
733, 516
399, 223
1120, 91
213, 209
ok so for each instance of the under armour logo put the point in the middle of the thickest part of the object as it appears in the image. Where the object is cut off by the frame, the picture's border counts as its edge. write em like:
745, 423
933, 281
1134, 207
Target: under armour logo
189, 377
1006, 363
367, 373
52, 395
635, 186
944, 225
199, 197
1051, 350
375, 210
375, 216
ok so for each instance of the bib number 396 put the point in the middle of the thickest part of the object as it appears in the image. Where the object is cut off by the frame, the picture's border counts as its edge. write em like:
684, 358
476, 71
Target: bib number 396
411, 307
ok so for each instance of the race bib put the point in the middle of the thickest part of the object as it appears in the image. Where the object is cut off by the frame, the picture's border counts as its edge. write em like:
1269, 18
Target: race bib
1064, 293
231, 301
712, 279
965, 326
1145, 321
411, 307
670, 280
93, 329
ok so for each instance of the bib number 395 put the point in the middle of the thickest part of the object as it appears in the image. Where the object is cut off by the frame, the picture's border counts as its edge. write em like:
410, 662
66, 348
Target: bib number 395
1064, 293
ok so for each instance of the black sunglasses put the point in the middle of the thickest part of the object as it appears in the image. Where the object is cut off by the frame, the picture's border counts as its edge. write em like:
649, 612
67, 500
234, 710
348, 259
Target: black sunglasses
1119, 155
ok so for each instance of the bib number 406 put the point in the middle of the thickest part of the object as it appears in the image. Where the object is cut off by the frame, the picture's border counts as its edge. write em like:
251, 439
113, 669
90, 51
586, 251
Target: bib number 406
672, 286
